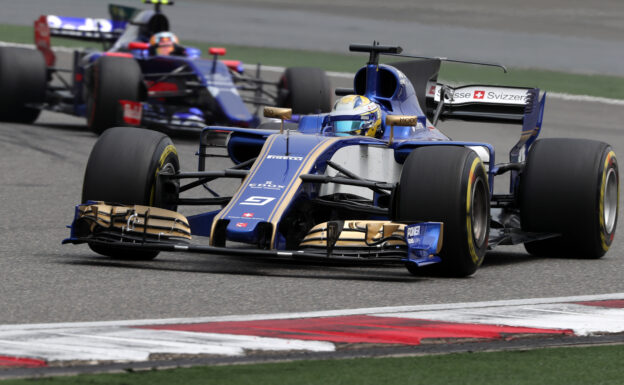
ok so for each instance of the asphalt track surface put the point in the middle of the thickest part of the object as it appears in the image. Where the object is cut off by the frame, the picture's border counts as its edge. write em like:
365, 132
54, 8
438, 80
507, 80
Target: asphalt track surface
575, 35
42, 281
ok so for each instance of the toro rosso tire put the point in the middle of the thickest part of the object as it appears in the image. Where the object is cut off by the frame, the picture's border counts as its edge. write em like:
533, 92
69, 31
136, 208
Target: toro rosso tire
23, 79
447, 184
112, 79
123, 168
305, 89
570, 187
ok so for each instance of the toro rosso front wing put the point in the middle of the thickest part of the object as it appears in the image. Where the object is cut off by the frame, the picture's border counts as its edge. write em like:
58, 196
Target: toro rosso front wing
154, 229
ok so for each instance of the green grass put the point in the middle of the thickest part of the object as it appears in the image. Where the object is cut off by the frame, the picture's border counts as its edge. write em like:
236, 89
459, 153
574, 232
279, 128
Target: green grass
580, 84
556, 366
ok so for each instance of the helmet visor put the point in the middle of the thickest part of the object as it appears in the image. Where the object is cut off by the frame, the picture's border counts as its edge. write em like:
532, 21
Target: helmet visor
343, 125
347, 127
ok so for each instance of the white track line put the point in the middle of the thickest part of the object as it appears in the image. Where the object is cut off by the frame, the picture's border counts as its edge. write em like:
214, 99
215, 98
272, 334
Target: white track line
583, 320
347, 75
129, 344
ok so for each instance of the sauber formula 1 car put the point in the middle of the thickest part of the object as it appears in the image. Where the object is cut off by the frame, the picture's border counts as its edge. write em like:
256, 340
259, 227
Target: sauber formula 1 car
410, 196
129, 84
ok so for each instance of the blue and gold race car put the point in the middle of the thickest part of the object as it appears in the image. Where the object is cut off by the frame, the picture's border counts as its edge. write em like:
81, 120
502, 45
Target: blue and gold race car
373, 181
144, 78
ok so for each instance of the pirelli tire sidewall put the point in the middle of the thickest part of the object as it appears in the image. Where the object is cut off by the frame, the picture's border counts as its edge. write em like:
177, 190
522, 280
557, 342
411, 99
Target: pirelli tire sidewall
448, 184
570, 187
609, 189
161, 195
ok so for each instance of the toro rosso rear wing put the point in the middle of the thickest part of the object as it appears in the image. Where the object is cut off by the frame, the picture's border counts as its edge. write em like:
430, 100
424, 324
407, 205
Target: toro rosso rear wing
81, 28
87, 28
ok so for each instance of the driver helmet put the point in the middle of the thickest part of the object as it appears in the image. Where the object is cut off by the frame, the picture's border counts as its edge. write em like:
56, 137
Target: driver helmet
163, 43
355, 115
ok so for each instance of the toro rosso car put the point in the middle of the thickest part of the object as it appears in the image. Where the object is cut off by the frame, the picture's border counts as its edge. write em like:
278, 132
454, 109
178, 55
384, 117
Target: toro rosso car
380, 185
131, 83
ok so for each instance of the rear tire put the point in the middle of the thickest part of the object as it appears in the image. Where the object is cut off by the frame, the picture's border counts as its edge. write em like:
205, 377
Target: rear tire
113, 79
122, 168
23, 79
305, 89
448, 184
570, 187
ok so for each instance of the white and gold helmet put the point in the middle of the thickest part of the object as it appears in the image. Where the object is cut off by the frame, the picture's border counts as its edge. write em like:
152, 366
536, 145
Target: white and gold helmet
355, 115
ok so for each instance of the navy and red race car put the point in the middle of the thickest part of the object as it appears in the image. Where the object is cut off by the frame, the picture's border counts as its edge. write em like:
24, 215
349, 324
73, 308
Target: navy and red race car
130, 83
372, 181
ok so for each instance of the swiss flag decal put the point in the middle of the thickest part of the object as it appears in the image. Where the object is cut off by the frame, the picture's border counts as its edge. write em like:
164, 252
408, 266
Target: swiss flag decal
478, 94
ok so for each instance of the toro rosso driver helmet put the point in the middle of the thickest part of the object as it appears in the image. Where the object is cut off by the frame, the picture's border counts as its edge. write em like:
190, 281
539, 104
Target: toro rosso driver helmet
163, 43
355, 115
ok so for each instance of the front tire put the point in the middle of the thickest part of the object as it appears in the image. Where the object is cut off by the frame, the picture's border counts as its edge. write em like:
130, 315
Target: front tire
448, 184
112, 79
23, 79
570, 187
123, 168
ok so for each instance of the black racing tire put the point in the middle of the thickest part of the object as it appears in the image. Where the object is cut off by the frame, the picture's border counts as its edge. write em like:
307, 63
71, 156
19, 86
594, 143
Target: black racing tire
23, 79
122, 169
570, 187
112, 79
305, 89
447, 184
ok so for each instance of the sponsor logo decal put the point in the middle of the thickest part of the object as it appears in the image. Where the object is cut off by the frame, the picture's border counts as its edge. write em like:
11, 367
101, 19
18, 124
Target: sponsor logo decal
412, 232
257, 201
285, 157
503, 96
86, 24
479, 94
41, 29
132, 112
267, 185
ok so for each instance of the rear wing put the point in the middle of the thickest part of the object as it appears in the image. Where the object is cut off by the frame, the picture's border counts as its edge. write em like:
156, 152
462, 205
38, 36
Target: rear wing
486, 103
80, 28
481, 102
87, 28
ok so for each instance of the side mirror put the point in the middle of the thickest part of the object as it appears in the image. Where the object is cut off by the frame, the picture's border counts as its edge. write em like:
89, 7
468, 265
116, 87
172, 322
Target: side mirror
278, 113
399, 120
217, 51
138, 45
